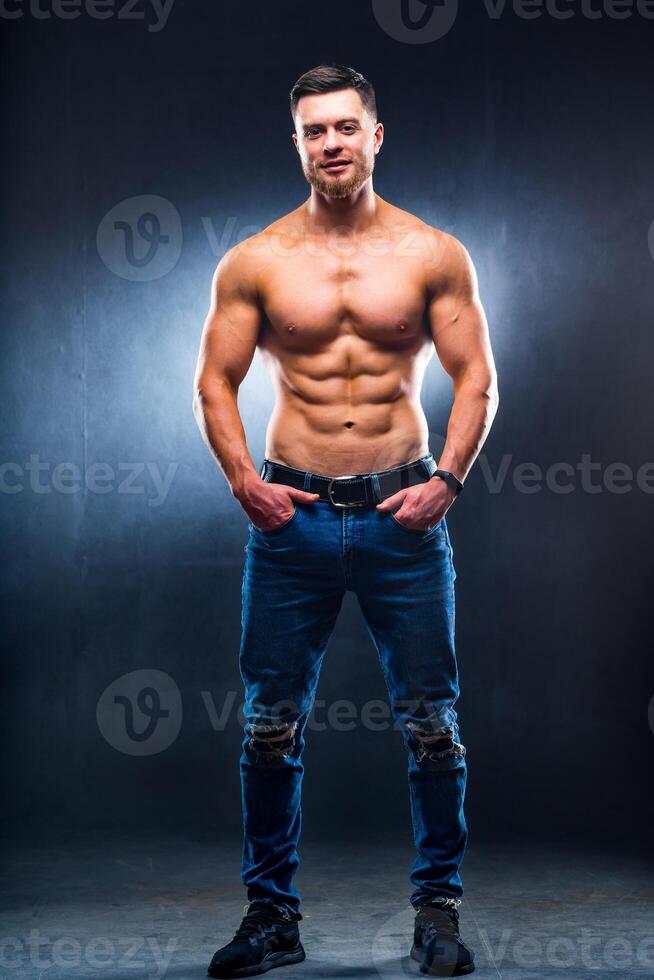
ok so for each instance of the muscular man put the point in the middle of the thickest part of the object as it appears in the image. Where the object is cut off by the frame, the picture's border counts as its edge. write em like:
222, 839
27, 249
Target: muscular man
346, 297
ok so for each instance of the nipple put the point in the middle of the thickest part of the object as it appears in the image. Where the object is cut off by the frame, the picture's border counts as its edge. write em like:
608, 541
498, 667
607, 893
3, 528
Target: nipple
401, 326
291, 327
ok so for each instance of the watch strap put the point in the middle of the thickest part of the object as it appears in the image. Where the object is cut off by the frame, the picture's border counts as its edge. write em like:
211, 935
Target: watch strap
452, 481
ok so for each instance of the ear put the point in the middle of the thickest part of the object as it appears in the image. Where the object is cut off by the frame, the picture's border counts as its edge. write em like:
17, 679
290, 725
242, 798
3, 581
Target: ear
379, 136
294, 138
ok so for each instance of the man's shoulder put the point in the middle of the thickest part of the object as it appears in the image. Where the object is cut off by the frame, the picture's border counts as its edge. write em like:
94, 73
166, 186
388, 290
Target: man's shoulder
247, 253
437, 243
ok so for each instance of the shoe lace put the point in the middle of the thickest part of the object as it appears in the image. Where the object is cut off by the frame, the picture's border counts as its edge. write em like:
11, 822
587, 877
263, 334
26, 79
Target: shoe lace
258, 919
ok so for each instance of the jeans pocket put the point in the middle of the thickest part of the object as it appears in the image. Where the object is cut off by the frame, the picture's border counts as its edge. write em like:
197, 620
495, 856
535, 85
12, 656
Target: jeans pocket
282, 527
413, 530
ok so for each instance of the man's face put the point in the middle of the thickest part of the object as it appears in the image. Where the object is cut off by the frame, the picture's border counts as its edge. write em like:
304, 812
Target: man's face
337, 141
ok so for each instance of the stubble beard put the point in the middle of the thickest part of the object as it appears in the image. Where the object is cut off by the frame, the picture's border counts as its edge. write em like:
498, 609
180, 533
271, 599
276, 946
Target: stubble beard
340, 188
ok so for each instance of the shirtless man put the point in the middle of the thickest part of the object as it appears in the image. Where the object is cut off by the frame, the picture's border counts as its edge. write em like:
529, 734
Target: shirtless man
346, 297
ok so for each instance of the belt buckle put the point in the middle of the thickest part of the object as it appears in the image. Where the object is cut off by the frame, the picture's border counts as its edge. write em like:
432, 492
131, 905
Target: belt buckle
333, 480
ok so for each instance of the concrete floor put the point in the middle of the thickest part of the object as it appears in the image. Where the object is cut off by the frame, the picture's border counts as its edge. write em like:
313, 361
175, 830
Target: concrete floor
145, 910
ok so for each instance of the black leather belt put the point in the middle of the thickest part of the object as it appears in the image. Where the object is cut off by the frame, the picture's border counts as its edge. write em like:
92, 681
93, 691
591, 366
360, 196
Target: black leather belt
354, 489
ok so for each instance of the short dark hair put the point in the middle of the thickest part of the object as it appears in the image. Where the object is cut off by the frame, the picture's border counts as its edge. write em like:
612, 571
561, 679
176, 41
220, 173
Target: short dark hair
332, 78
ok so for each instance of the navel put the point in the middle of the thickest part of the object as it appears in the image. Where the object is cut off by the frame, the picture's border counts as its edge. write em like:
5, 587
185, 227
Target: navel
348, 425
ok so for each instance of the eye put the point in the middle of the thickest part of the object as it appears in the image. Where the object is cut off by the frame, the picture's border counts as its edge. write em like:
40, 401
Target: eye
310, 133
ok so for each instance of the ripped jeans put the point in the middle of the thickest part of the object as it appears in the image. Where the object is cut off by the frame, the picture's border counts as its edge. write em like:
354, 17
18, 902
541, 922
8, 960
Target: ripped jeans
294, 580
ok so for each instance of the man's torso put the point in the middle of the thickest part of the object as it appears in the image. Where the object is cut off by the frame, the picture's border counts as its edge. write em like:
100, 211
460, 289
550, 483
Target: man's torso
345, 337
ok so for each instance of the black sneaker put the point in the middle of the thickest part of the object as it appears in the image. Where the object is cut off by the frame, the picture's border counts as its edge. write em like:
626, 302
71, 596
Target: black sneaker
437, 945
267, 937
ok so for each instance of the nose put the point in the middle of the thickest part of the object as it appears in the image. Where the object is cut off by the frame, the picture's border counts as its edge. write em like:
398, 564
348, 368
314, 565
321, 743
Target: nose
333, 141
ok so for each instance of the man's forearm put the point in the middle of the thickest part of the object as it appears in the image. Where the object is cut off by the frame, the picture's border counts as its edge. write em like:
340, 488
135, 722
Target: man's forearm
221, 427
473, 411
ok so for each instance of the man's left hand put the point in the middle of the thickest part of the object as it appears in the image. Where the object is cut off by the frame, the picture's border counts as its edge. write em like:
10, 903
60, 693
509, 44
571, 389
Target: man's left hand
422, 506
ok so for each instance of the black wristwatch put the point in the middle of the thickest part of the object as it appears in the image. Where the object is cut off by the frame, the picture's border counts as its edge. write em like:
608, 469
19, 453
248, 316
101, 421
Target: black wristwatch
452, 481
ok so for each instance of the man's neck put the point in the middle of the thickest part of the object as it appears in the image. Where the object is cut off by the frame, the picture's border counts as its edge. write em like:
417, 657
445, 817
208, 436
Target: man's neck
356, 212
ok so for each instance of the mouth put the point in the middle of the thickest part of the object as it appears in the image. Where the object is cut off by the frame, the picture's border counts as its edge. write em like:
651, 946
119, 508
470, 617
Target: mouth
336, 166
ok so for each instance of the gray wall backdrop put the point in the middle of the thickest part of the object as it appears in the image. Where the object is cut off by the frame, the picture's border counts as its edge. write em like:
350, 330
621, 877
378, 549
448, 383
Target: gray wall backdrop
529, 139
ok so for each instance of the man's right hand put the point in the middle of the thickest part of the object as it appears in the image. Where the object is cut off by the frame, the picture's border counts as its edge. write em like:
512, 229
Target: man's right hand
269, 505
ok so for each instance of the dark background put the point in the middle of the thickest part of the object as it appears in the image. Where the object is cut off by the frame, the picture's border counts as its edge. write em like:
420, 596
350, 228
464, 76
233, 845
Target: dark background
532, 142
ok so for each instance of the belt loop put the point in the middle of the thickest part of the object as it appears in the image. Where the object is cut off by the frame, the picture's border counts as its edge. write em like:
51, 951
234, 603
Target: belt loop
430, 465
307, 481
375, 487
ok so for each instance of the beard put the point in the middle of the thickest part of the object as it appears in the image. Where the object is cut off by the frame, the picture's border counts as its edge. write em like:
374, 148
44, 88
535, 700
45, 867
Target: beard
337, 187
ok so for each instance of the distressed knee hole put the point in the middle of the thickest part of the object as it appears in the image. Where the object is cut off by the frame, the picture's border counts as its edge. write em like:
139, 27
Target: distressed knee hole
272, 743
432, 745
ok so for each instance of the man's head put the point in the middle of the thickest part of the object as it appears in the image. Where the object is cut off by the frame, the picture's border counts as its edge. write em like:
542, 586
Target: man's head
336, 130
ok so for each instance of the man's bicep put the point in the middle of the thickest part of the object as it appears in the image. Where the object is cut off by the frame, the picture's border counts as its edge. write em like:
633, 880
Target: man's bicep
458, 324
231, 329
462, 342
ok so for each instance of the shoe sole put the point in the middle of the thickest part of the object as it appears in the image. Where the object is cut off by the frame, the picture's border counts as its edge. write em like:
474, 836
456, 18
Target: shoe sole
443, 971
269, 962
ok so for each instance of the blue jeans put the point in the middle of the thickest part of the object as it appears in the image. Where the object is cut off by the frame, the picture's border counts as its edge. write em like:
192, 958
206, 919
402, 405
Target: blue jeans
294, 580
